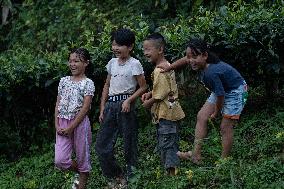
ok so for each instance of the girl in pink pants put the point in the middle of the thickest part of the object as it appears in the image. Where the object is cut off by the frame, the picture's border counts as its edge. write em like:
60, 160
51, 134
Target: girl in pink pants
73, 131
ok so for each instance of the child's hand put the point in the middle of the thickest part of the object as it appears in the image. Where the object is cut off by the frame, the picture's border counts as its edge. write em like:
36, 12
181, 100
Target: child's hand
125, 106
214, 115
67, 131
165, 67
59, 131
146, 96
101, 117
147, 104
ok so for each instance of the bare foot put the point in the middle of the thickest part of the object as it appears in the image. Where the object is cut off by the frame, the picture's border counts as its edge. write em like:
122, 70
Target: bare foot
189, 155
184, 155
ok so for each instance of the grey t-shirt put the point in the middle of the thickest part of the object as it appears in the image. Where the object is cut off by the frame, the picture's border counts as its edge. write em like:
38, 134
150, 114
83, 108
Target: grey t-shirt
221, 78
123, 79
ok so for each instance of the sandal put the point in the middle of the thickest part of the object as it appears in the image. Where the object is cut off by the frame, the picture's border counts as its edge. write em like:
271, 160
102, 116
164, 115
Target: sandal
122, 183
75, 184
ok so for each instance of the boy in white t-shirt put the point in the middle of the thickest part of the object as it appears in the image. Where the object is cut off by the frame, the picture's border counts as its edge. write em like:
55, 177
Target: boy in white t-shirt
117, 109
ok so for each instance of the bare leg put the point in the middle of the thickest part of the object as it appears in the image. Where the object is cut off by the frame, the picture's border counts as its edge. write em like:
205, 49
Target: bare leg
74, 166
201, 129
227, 136
83, 180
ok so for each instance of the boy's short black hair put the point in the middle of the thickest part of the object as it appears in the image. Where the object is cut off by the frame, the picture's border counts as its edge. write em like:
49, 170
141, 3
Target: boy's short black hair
160, 40
123, 37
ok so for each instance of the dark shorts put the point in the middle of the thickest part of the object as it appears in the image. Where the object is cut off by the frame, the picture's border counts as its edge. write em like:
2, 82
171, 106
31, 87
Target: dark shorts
167, 145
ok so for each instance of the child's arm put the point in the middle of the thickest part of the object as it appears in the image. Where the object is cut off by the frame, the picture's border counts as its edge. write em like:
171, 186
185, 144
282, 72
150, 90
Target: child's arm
149, 103
218, 106
178, 63
56, 123
146, 96
104, 97
142, 88
80, 116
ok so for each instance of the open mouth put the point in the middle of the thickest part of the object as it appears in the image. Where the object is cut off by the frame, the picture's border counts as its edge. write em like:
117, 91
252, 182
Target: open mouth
193, 66
116, 53
73, 69
148, 57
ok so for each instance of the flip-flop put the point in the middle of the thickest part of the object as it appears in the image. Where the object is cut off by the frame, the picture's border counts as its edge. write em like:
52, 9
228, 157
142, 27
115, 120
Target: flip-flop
75, 184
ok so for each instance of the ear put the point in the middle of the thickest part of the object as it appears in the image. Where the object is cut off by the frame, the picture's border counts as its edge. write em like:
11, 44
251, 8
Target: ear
205, 55
87, 62
161, 50
131, 47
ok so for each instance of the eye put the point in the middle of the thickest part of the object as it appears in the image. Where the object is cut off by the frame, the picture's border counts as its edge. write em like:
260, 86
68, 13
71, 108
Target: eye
75, 61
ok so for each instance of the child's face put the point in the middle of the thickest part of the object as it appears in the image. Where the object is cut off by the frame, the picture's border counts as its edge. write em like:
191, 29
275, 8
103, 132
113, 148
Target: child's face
197, 62
121, 51
151, 52
77, 66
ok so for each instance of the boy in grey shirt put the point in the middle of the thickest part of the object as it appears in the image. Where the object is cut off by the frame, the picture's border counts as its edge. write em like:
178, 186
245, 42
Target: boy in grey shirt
117, 109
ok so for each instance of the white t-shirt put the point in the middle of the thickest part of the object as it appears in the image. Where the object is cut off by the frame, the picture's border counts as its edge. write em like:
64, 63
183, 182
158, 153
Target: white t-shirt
72, 96
122, 76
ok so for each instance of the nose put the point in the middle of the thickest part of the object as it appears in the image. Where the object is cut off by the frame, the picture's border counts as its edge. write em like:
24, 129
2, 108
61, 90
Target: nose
114, 47
146, 53
71, 63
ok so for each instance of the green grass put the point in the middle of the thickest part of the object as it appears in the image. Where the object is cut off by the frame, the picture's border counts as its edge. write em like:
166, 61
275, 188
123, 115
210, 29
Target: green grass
256, 160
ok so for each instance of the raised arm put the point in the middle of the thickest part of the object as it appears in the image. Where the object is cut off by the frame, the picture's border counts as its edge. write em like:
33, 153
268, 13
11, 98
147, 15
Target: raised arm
177, 64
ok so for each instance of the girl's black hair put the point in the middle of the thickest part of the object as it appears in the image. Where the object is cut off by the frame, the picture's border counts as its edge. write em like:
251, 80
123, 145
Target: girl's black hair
123, 37
83, 54
199, 47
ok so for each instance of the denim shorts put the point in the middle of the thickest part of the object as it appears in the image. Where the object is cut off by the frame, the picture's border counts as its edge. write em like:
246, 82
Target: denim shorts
234, 101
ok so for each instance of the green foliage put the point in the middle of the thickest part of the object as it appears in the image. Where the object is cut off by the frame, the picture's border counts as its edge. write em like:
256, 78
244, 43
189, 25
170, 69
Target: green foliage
249, 36
27, 91
35, 44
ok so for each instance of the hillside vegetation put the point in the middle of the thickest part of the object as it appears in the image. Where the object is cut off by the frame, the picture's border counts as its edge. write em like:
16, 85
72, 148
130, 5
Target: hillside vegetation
34, 45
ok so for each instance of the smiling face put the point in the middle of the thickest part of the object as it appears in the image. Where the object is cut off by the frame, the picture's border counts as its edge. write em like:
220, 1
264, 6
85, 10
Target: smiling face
197, 61
77, 66
121, 51
151, 51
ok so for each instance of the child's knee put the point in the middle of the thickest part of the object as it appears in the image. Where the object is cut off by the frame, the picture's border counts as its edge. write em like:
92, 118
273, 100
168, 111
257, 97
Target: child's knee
201, 116
226, 129
62, 163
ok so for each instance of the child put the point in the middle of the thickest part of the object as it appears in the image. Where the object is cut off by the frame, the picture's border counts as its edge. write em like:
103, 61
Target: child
117, 109
163, 100
228, 95
72, 124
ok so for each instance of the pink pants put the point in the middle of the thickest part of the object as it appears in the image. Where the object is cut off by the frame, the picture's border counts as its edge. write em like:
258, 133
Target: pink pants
79, 141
